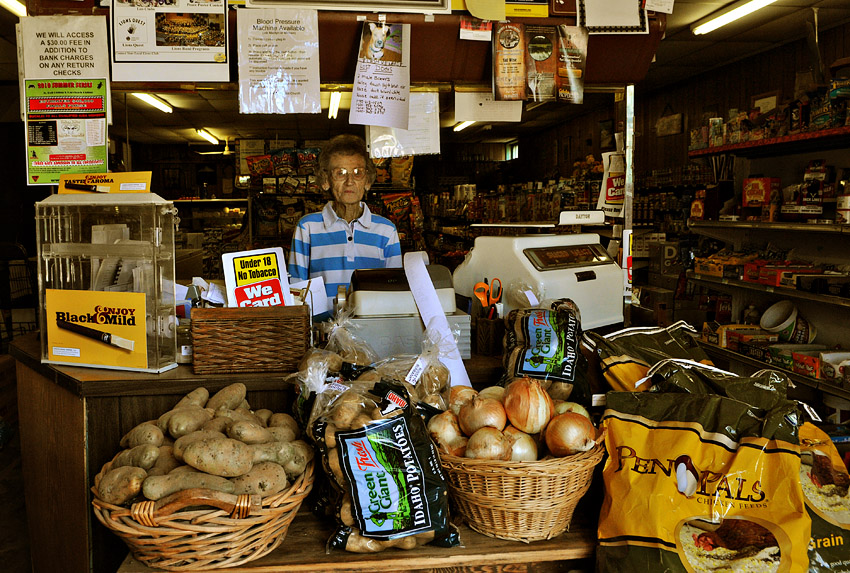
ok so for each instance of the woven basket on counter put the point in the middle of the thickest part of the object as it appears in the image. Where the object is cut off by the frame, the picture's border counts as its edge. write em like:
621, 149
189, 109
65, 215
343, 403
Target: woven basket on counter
200, 529
233, 340
522, 501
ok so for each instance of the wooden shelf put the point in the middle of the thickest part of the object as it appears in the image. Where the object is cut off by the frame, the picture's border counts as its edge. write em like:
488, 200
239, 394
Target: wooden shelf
814, 383
796, 143
780, 291
303, 550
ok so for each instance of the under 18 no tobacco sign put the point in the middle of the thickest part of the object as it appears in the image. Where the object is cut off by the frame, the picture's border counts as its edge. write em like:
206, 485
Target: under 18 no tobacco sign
66, 128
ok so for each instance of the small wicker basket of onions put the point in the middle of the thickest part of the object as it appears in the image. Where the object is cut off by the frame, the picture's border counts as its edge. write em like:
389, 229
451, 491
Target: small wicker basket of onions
517, 460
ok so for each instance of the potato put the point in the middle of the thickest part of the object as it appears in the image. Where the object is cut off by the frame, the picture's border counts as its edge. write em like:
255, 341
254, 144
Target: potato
315, 357
281, 434
264, 414
229, 397
120, 485
560, 390
249, 432
197, 397
143, 456
217, 424
183, 441
277, 452
335, 467
265, 478
220, 456
370, 376
303, 454
283, 420
238, 415
407, 542
356, 543
165, 462
362, 419
144, 433
330, 436
184, 469
346, 407
182, 421
157, 487
425, 537
346, 516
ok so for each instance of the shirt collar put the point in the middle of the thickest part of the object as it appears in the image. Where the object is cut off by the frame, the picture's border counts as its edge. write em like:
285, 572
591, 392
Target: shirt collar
329, 216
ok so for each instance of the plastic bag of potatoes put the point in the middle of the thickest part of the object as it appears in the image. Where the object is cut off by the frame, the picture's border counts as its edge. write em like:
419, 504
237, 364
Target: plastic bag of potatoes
383, 467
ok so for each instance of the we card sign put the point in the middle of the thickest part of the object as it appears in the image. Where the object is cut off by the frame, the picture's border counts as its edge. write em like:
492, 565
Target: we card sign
256, 278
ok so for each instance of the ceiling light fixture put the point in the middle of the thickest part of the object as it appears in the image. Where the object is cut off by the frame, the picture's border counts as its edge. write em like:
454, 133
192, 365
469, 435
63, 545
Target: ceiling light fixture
208, 136
14, 7
728, 15
463, 125
336, 97
153, 100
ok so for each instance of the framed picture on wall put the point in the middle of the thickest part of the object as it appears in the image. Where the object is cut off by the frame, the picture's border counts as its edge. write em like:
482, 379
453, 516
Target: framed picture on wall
765, 102
606, 134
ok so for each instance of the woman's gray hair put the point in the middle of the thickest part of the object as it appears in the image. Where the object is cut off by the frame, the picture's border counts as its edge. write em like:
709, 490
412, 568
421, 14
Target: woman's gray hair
345, 144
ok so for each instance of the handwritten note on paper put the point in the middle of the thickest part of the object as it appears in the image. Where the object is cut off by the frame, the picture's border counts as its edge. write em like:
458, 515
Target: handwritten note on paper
420, 138
381, 94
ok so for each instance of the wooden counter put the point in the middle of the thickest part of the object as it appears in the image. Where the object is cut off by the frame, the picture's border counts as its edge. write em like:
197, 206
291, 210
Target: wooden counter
303, 550
72, 418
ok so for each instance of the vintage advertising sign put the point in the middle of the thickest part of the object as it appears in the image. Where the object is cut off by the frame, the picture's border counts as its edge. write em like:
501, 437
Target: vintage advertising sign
96, 328
125, 182
66, 128
256, 278
181, 40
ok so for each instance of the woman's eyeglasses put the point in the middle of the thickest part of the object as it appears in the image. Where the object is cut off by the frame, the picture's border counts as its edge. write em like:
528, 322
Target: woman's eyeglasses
341, 173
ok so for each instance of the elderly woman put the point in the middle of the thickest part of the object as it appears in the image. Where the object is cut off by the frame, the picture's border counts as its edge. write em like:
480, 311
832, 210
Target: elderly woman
345, 235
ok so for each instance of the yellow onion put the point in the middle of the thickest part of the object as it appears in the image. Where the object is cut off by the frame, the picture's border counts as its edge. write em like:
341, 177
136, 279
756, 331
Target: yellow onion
445, 431
569, 433
528, 405
488, 444
495, 392
460, 395
561, 406
523, 446
480, 413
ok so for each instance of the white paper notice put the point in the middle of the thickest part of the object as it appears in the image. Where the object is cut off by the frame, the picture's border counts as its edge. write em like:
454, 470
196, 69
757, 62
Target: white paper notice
421, 137
481, 106
278, 60
381, 93
665, 6
181, 41
57, 47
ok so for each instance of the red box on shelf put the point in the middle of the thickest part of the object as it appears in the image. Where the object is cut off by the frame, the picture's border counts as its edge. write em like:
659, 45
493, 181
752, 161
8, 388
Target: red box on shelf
772, 275
758, 190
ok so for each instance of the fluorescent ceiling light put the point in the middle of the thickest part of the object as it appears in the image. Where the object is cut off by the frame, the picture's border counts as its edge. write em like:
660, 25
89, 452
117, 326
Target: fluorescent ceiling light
14, 7
734, 12
336, 97
149, 99
208, 136
463, 125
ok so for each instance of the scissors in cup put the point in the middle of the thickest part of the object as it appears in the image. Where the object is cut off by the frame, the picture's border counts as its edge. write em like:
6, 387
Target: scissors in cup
488, 294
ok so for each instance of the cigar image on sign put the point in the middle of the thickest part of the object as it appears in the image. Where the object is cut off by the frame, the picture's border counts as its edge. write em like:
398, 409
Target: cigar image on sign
95, 334
84, 187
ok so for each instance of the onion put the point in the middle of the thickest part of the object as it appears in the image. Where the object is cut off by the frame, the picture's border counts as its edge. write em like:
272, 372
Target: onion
480, 413
495, 392
488, 444
445, 432
569, 433
523, 446
528, 405
560, 390
561, 407
460, 395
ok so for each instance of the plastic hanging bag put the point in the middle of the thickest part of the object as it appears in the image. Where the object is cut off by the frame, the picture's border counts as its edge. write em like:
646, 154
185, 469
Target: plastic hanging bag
379, 458
343, 340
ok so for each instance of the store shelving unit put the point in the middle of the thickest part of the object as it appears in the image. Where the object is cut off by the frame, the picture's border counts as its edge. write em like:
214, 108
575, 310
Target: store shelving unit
793, 143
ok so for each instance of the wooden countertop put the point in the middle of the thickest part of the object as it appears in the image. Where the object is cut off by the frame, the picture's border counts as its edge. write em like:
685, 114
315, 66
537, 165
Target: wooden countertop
91, 382
303, 550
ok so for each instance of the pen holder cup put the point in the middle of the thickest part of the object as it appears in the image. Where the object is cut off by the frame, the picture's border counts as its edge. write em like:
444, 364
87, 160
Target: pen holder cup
489, 336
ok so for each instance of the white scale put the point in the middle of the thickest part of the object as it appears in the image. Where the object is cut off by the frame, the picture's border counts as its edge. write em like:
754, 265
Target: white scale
574, 266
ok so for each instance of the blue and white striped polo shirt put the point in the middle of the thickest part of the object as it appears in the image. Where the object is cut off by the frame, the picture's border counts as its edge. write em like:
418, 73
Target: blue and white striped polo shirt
328, 246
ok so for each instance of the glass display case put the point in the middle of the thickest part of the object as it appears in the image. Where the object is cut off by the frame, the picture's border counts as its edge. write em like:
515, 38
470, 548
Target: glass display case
106, 280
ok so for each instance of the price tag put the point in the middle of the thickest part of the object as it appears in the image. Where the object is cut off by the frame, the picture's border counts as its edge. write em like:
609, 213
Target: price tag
416, 371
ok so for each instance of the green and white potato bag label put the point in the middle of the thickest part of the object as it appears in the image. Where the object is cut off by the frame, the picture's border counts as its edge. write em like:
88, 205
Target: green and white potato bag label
386, 479
552, 349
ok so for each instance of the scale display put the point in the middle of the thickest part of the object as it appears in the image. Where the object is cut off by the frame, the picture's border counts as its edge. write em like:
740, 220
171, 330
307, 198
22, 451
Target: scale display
567, 257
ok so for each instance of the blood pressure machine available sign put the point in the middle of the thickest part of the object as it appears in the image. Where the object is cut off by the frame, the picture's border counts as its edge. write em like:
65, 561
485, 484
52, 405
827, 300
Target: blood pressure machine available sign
66, 128
256, 278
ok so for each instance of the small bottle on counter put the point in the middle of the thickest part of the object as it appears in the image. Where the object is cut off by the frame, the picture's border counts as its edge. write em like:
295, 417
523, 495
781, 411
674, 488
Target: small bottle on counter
184, 341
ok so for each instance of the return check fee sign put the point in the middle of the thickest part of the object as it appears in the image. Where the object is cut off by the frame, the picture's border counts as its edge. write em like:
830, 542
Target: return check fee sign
258, 281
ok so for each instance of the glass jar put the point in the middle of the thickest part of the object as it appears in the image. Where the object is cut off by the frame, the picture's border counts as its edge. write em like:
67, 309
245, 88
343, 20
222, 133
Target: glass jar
184, 341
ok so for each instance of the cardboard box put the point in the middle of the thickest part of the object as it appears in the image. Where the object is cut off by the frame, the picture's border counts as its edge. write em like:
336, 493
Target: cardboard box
664, 258
758, 191
781, 355
661, 280
652, 297
806, 363
772, 275
756, 350
716, 333
735, 338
